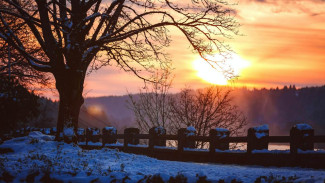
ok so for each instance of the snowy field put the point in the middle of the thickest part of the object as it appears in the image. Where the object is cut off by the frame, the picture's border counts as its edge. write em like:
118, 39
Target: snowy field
37, 158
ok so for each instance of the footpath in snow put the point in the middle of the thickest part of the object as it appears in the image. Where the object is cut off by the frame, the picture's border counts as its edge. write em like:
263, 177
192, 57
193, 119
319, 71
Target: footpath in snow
37, 158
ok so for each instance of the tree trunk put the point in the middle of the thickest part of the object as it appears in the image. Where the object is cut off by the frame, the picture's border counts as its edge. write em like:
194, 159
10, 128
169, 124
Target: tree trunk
70, 87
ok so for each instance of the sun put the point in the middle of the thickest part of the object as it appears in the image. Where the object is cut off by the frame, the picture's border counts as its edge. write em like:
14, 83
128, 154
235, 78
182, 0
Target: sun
95, 110
214, 75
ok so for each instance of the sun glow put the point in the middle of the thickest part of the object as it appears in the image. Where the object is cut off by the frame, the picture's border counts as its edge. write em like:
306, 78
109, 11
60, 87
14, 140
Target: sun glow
95, 110
214, 75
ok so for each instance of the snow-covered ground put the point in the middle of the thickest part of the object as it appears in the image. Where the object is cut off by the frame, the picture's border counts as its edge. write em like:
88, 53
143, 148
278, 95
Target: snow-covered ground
38, 158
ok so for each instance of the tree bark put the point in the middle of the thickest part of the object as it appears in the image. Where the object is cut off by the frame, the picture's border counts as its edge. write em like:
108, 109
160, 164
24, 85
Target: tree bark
70, 87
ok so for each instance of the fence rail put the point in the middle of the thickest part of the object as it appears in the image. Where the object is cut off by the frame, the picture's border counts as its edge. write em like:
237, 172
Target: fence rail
271, 139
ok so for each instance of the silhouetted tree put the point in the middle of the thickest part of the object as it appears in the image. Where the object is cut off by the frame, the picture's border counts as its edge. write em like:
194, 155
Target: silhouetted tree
203, 109
77, 35
206, 109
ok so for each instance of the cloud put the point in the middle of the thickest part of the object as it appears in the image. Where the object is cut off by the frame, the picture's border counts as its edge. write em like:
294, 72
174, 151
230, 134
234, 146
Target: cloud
284, 40
310, 7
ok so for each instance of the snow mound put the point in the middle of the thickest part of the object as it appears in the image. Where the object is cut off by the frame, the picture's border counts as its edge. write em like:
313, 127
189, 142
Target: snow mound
26, 143
40, 136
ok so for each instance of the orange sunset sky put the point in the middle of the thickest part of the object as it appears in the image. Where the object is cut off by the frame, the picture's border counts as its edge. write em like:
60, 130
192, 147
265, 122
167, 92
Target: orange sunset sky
283, 43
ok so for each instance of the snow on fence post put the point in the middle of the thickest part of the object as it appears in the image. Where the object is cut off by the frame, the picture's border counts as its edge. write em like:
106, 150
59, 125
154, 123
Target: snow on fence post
47, 131
218, 139
155, 134
129, 134
258, 138
183, 138
93, 135
301, 137
81, 135
109, 135
69, 135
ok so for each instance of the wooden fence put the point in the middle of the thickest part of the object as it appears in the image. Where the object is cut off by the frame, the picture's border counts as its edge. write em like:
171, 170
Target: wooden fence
301, 141
219, 139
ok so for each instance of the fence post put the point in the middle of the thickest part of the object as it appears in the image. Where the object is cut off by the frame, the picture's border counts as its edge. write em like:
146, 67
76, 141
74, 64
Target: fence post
129, 136
69, 135
258, 138
155, 135
183, 138
218, 139
81, 135
301, 137
93, 135
109, 135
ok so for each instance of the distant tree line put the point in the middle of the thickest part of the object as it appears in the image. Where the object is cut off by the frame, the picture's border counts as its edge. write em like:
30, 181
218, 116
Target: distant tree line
282, 108
20, 107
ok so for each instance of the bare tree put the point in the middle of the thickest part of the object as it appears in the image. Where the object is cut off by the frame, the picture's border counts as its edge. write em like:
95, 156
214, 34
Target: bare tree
79, 35
151, 106
206, 109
